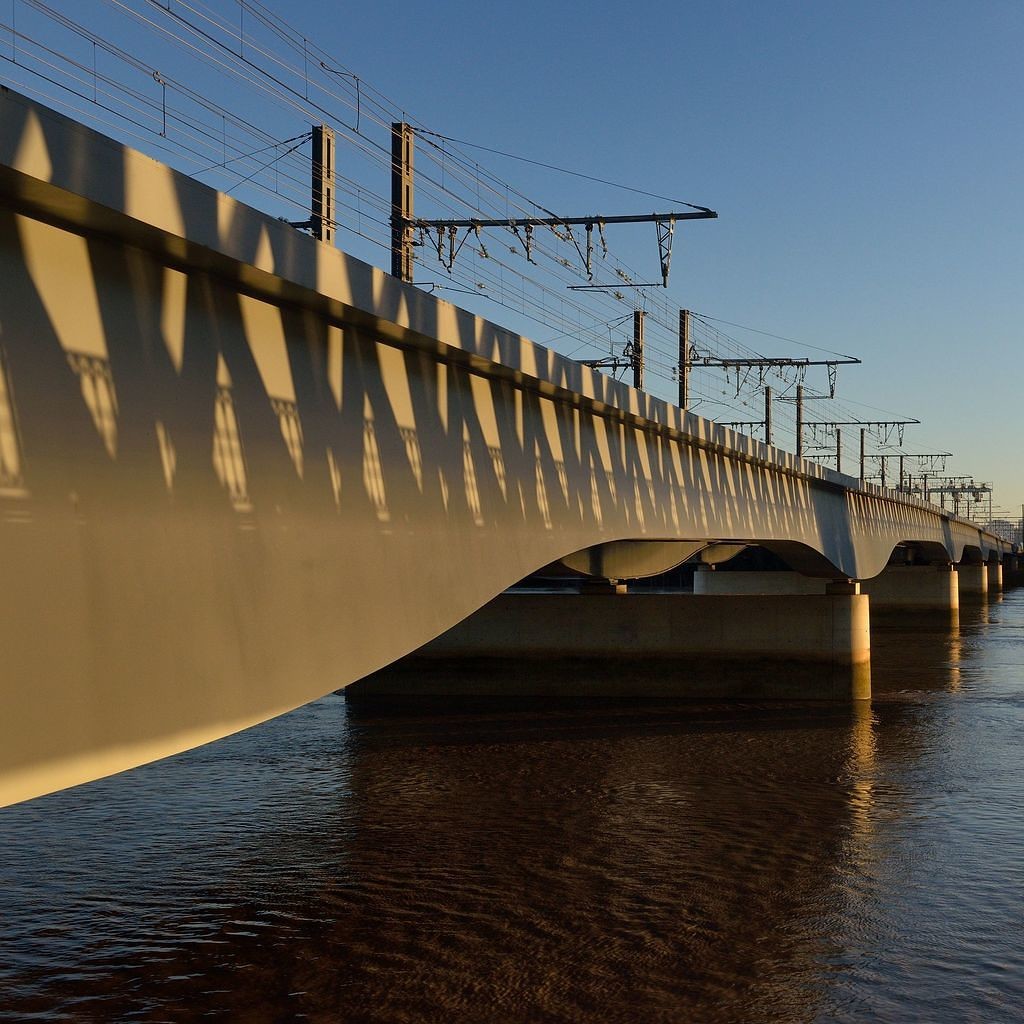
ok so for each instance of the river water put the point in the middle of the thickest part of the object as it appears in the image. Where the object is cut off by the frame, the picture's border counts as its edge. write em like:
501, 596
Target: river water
711, 862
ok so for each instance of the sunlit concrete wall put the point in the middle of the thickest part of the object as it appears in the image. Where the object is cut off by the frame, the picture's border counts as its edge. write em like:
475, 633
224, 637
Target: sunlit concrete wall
239, 469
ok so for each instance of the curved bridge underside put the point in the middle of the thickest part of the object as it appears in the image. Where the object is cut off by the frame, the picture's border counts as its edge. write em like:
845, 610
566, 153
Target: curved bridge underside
239, 469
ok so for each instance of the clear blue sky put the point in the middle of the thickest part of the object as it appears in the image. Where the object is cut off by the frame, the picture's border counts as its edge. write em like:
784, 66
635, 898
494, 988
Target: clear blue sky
866, 160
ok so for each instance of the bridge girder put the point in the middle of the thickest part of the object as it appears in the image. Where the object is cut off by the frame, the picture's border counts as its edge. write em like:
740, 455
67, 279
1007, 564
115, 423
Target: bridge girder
249, 469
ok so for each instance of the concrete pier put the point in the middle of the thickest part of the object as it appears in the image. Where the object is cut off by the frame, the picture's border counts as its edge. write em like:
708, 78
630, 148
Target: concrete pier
973, 581
1013, 576
714, 581
644, 645
914, 586
995, 576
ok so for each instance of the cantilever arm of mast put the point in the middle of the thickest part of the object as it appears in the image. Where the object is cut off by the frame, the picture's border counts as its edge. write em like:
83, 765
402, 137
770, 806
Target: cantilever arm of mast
701, 214
664, 222
709, 361
858, 423
609, 363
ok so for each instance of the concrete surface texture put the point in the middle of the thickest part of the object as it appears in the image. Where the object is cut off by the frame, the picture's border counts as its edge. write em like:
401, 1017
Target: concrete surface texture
241, 469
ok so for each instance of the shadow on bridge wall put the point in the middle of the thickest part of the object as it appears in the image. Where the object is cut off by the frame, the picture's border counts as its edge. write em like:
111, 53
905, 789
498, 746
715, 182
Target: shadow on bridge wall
216, 505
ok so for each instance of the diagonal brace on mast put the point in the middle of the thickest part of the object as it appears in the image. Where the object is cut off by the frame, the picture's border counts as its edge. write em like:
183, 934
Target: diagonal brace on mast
666, 231
665, 224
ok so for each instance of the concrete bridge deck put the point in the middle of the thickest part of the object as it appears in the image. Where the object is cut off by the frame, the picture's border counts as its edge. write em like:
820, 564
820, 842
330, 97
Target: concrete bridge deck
241, 469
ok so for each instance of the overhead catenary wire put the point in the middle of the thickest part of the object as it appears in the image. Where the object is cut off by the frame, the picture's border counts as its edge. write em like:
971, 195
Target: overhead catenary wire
769, 334
292, 77
230, 30
60, 100
547, 310
564, 170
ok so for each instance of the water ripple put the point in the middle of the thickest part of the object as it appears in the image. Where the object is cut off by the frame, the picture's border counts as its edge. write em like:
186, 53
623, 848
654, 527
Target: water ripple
720, 863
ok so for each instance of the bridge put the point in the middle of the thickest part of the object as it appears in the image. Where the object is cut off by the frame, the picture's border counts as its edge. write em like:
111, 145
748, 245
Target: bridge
240, 469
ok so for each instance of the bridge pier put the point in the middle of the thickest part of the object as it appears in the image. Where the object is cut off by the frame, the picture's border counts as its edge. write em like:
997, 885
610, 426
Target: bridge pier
914, 586
645, 645
1012, 575
973, 581
708, 580
598, 585
995, 576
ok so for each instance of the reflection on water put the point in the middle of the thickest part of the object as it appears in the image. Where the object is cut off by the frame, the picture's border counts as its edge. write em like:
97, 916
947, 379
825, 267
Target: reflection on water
556, 863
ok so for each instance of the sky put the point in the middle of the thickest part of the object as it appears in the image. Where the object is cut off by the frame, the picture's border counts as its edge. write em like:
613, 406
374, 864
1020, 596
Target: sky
865, 160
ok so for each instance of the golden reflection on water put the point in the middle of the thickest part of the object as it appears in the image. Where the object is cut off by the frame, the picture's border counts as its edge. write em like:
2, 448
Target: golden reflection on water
921, 649
955, 650
861, 770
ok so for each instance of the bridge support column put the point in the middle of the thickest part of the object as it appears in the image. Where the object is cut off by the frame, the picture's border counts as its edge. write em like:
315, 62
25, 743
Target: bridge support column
709, 581
1011, 570
995, 576
973, 580
1012, 576
645, 645
914, 586
596, 585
